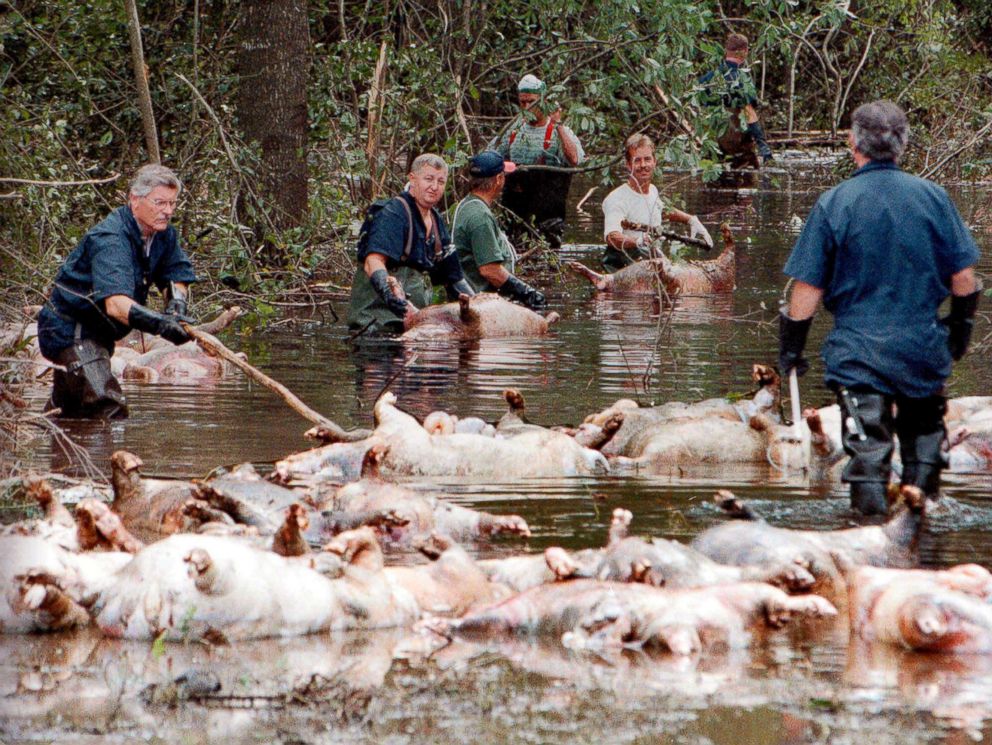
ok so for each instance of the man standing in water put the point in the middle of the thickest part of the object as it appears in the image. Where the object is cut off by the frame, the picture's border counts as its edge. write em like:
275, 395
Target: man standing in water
538, 137
882, 250
485, 253
630, 211
404, 250
100, 292
731, 85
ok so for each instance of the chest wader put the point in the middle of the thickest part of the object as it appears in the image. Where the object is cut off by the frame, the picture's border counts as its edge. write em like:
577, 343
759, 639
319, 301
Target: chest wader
87, 388
368, 308
738, 145
868, 427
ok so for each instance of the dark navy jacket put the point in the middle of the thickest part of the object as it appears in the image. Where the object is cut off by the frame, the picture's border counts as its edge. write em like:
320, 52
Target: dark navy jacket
109, 260
735, 91
882, 246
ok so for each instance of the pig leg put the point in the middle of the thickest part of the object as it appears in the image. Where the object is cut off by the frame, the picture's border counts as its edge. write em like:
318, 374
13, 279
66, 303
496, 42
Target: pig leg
793, 577
780, 608
498, 524
619, 526
199, 513
560, 563
359, 548
590, 436
40, 491
204, 572
289, 540
602, 282
40, 594
97, 526
433, 545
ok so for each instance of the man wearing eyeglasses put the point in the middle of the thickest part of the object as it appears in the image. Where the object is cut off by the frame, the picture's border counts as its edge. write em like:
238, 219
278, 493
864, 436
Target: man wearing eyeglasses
101, 290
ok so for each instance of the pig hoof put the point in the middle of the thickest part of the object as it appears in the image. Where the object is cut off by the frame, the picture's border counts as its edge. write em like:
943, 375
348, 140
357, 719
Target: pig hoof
562, 565
513, 524
817, 607
515, 399
434, 625
797, 579
764, 375
621, 518
433, 545
199, 562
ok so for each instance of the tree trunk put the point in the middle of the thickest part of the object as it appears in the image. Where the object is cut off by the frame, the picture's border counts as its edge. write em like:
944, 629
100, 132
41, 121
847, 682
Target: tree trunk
273, 66
141, 82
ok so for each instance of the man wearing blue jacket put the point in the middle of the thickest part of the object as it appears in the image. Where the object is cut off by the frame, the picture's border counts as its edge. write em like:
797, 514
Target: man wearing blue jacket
882, 250
101, 290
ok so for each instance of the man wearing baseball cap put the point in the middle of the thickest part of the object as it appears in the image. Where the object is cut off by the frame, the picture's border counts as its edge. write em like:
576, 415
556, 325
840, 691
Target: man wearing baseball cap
485, 253
538, 137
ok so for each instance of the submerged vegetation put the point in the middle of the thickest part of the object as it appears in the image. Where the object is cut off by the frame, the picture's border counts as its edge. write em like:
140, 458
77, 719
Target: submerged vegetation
286, 118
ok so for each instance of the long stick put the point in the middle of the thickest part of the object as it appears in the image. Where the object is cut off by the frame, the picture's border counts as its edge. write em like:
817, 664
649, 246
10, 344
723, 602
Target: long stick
670, 234
212, 346
796, 411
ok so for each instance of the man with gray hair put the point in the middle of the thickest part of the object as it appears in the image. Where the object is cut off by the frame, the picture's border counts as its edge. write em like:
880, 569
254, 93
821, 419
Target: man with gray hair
99, 295
403, 248
883, 250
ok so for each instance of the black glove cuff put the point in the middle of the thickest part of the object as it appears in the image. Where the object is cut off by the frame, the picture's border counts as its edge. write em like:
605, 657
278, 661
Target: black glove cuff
380, 283
964, 307
145, 319
460, 287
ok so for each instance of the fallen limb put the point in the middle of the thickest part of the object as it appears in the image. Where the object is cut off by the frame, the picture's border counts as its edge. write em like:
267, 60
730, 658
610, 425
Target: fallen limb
213, 346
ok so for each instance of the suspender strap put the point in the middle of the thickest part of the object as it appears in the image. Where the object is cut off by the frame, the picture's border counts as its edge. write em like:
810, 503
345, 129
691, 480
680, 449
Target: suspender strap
548, 133
409, 231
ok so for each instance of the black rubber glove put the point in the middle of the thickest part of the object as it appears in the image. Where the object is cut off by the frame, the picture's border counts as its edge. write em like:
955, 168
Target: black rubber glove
522, 293
960, 321
758, 135
459, 287
791, 342
380, 283
160, 324
177, 303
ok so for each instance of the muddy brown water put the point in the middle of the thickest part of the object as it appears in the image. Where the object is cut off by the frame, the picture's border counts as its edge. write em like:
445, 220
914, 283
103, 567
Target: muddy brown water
803, 685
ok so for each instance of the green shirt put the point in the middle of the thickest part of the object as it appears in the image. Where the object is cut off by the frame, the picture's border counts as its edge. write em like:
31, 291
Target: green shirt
479, 240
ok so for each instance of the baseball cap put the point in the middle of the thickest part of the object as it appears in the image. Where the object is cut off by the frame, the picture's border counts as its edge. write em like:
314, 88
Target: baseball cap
489, 163
530, 84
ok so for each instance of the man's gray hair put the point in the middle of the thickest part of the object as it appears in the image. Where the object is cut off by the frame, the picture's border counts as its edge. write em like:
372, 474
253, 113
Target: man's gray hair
880, 130
428, 160
152, 175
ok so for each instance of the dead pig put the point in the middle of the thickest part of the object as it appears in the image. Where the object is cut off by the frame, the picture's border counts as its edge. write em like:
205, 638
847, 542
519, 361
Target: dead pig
602, 615
755, 542
665, 277
484, 316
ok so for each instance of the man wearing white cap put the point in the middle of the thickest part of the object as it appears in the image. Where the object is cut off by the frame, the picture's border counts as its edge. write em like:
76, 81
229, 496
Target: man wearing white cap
485, 253
538, 137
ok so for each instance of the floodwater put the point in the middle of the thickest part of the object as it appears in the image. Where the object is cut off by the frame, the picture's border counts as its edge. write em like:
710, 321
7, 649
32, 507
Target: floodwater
801, 685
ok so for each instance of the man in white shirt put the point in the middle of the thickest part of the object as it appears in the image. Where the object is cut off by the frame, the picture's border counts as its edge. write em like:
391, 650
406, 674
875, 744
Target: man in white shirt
630, 211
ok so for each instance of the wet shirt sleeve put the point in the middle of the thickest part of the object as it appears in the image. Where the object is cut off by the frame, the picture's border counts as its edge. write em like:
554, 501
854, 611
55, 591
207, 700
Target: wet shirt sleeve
174, 266
112, 266
613, 215
957, 250
811, 260
387, 234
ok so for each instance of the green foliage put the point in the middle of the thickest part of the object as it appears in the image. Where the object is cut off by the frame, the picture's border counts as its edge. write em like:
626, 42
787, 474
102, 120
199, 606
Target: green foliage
449, 86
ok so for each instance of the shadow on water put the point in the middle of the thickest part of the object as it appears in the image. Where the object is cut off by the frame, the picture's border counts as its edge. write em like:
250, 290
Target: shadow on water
806, 685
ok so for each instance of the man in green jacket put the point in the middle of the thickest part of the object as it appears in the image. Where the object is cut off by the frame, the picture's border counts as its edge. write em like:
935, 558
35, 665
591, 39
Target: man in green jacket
486, 256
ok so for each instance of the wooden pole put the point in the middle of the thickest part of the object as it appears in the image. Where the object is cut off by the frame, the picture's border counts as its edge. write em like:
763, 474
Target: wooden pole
213, 346
141, 81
